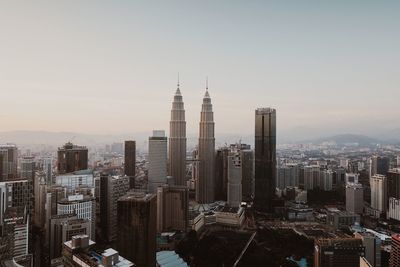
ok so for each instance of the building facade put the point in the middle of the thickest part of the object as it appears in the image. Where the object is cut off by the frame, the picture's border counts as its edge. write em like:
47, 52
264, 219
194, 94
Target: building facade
130, 161
378, 184
72, 158
137, 222
172, 208
205, 184
265, 158
157, 161
355, 198
177, 140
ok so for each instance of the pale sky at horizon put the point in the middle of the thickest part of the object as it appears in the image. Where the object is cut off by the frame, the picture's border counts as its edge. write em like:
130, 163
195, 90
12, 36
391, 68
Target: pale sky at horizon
111, 66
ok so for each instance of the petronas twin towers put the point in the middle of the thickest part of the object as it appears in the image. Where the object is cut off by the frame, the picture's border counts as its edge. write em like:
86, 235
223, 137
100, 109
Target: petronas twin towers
206, 147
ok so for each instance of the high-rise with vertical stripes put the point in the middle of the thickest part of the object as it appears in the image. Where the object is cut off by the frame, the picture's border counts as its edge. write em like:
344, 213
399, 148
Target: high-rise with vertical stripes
205, 182
177, 140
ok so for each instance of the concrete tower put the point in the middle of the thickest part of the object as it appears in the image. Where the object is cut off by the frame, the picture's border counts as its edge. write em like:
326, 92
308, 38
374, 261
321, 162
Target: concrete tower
177, 140
205, 181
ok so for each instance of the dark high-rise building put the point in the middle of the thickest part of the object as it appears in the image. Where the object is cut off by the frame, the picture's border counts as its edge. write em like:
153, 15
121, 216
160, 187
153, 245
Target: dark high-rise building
265, 158
172, 208
72, 158
130, 161
343, 252
111, 189
221, 173
393, 183
28, 168
247, 174
137, 216
394, 260
9, 162
378, 165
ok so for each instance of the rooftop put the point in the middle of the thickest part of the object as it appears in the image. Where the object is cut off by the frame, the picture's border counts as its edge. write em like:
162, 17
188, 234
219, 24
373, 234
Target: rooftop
169, 259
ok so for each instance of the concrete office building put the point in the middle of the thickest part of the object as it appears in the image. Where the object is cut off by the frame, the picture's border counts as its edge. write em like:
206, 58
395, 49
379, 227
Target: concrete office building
378, 184
352, 178
234, 179
341, 219
72, 158
157, 161
63, 228
205, 184
343, 252
355, 198
177, 140
16, 193
265, 158
9, 162
111, 189
137, 222
372, 246
130, 162
172, 208
82, 206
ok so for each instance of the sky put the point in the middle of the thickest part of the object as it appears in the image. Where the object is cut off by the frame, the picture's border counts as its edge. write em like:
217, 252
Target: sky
111, 67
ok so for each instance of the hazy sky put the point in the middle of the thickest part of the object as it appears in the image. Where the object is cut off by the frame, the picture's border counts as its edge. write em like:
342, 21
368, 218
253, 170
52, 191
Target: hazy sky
111, 66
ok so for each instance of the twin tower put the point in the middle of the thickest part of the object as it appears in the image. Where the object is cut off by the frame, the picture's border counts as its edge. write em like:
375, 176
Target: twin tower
206, 147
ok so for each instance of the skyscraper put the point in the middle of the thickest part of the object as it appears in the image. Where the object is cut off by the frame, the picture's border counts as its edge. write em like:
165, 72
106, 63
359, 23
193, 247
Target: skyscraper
157, 160
111, 189
235, 179
9, 153
393, 183
205, 182
72, 158
177, 140
378, 165
379, 192
130, 162
265, 158
137, 215
28, 168
355, 198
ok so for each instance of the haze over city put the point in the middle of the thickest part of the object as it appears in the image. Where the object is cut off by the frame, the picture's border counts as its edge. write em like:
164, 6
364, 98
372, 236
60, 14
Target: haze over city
327, 67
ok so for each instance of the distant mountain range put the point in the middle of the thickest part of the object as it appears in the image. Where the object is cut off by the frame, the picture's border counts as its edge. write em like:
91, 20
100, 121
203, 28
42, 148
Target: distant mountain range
29, 138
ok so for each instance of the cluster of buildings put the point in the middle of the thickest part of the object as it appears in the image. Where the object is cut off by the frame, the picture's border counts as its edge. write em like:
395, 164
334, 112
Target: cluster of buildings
63, 208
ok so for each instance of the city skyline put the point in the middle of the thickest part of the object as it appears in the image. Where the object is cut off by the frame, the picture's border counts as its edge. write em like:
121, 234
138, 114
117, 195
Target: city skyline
345, 58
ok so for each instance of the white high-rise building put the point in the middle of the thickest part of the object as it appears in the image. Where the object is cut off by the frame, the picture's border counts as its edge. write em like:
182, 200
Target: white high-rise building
48, 169
177, 140
234, 179
327, 180
311, 177
354, 198
398, 161
205, 182
378, 184
288, 175
157, 160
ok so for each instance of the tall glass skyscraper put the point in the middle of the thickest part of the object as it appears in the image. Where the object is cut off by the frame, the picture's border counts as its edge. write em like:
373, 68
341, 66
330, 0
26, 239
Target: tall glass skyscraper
265, 158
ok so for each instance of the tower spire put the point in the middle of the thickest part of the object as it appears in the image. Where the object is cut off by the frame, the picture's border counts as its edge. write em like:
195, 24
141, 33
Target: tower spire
207, 95
178, 79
